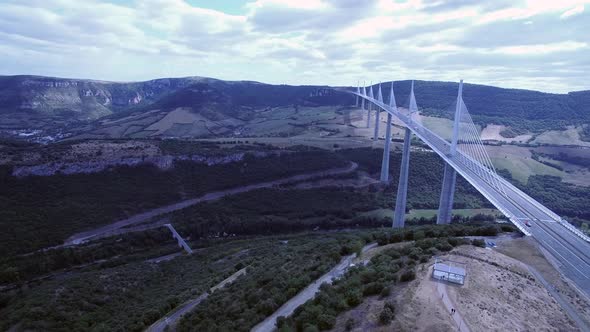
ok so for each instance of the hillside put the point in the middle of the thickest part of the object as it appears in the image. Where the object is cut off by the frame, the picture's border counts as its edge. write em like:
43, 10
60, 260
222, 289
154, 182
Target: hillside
206, 107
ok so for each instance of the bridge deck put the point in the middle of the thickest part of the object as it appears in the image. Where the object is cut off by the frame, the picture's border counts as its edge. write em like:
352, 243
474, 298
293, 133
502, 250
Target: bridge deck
572, 250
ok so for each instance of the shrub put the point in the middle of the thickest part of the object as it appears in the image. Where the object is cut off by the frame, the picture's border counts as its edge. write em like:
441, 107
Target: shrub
386, 316
326, 322
373, 288
408, 275
385, 292
349, 324
478, 243
354, 298
390, 305
311, 328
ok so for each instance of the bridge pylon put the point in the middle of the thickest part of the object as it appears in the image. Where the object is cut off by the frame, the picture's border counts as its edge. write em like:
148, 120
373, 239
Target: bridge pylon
447, 194
364, 93
377, 112
370, 106
358, 90
387, 146
399, 214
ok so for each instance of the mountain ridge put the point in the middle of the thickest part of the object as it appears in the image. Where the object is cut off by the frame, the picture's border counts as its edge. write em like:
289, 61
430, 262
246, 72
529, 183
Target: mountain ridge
52, 103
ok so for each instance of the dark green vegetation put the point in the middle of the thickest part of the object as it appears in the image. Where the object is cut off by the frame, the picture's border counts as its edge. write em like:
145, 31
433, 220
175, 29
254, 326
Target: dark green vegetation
130, 295
425, 179
563, 198
392, 266
37, 212
270, 282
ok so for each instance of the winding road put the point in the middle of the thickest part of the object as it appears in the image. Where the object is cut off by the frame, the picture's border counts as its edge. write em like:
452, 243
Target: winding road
107, 230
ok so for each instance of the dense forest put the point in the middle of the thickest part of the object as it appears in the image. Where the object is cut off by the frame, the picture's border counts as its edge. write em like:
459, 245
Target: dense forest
37, 212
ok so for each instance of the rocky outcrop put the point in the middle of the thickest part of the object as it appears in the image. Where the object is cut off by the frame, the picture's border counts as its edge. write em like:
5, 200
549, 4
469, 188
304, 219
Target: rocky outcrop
94, 166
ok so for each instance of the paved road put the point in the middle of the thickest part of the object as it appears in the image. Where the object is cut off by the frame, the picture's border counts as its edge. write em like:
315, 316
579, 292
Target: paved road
269, 324
173, 318
570, 249
142, 217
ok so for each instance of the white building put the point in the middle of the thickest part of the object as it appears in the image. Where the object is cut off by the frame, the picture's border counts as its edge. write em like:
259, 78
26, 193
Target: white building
449, 271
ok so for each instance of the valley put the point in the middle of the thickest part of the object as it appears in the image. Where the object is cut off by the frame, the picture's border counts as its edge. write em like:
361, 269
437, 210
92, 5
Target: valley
273, 193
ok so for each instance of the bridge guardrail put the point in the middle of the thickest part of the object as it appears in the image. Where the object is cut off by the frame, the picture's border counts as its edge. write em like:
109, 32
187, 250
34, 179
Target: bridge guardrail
574, 230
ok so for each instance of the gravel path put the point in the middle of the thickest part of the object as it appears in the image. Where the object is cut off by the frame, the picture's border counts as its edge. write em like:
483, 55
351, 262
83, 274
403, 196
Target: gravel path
441, 287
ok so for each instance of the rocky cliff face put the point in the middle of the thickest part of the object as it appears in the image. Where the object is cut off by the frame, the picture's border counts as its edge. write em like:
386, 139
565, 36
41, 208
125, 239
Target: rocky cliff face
35, 102
93, 166
81, 99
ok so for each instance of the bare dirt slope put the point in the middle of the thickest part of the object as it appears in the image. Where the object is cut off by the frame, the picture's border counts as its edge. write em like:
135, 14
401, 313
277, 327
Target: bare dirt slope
499, 295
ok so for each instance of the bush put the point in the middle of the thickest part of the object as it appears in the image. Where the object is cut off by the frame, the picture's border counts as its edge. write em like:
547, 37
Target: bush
373, 288
326, 322
390, 305
354, 298
311, 328
349, 324
408, 275
478, 243
386, 316
385, 292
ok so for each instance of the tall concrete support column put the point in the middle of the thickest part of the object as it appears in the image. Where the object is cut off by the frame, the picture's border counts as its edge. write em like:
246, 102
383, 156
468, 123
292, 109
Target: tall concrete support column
377, 112
370, 106
387, 147
364, 92
402, 188
447, 193
445, 206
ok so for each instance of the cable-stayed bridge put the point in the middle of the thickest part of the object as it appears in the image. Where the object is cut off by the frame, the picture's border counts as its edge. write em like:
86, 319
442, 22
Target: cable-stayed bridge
467, 156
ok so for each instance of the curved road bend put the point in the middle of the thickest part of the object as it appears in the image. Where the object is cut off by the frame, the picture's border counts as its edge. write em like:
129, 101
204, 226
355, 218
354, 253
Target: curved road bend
287, 309
138, 218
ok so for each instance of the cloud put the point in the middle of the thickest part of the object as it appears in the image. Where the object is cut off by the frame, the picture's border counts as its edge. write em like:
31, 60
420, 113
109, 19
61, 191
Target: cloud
574, 11
524, 43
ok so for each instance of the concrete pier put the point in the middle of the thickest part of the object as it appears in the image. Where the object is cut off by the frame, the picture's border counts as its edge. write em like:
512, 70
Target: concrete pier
402, 188
447, 193
370, 106
377, 112
387, 147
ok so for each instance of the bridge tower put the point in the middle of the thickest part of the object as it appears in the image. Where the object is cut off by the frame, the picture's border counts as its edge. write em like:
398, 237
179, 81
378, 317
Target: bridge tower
364, 93
358, 90
402, 187
447, 193
387, 147
377, 111
370, 107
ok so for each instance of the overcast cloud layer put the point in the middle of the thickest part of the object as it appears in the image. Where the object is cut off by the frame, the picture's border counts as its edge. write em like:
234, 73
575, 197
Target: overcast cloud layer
537, 44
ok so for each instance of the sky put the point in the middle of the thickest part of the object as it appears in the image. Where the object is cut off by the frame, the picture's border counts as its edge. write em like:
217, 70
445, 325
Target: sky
540, 45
